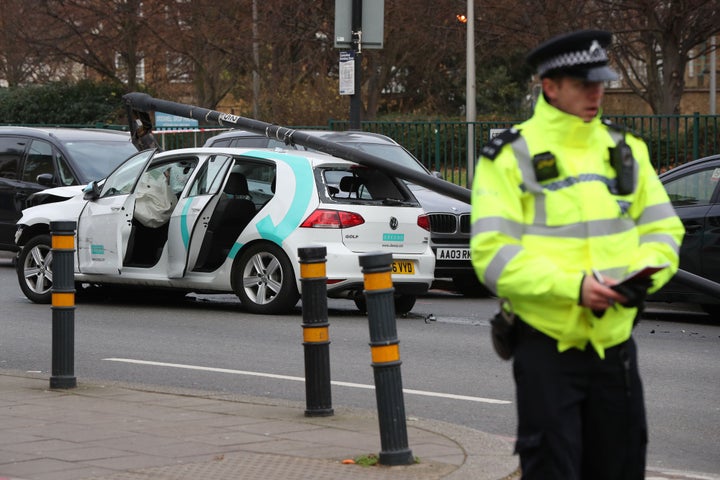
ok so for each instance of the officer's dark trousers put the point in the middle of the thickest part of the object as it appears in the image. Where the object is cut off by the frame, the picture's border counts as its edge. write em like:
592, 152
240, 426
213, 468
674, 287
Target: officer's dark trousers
579, 417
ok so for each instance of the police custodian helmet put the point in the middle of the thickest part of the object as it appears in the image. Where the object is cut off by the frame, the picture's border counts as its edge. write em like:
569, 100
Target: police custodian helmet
580, 54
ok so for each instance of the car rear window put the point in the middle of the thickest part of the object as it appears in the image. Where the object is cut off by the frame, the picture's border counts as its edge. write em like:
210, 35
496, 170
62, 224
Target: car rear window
364, 186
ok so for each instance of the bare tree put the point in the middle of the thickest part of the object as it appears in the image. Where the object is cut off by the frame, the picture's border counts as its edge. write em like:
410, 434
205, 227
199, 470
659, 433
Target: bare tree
23, 62
655, 39
204, 43
103, 36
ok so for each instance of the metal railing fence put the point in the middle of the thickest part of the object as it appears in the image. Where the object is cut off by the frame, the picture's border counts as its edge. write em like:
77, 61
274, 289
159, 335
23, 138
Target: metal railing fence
442, 145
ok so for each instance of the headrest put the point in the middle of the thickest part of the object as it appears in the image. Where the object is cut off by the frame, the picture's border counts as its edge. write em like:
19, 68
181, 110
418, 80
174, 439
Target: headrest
236, 185
349, 184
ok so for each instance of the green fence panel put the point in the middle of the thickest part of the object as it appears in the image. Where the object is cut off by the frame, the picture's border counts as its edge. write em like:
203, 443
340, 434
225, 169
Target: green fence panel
442, 146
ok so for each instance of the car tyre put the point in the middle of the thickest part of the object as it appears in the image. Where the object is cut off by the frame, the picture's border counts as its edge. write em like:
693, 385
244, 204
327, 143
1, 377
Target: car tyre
264, 280
470, 286
403, 303
34, 269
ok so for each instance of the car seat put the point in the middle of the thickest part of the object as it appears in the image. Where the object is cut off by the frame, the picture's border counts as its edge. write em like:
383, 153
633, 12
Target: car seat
233, 212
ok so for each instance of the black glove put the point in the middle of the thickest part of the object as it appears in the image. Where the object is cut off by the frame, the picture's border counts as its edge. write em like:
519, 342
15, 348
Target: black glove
634, 290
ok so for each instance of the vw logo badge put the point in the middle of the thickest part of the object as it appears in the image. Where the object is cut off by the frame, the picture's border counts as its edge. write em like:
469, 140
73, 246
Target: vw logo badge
393, 223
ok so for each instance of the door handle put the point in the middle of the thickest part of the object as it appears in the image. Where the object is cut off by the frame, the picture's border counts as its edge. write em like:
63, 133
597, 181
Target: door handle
115, 209
692, 228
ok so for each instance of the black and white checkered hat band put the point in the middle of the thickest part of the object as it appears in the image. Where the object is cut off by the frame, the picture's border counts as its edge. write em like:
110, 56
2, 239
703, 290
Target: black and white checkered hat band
594, 55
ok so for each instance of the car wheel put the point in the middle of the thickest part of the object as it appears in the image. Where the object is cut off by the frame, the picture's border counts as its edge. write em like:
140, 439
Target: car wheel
264, 280
403, 303
34, 269
470, 286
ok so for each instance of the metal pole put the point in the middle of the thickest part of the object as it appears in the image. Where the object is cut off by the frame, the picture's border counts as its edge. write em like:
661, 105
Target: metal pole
713, 77
385, 351
256, 62
63, 305
316, 339
141, 103
356, 98
470, 91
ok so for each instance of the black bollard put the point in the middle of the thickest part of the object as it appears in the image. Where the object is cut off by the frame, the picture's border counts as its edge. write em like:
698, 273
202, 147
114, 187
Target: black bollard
385, 352
316, 340
63, 305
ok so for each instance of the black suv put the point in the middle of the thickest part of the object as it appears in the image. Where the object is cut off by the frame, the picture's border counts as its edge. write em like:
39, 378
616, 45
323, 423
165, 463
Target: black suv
34, 159
694, 190
449, 218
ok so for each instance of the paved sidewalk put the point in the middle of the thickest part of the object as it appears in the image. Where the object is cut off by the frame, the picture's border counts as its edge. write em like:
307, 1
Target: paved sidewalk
106, 431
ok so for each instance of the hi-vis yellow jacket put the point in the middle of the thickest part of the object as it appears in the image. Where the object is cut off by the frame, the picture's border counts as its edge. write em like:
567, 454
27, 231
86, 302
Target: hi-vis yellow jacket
534, 238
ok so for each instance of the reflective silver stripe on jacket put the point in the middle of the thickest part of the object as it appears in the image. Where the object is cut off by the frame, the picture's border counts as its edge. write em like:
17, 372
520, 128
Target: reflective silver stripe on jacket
503, 256
530, 183
592, 228
661, 238
585, 177
498, 224
589, 229
661, 211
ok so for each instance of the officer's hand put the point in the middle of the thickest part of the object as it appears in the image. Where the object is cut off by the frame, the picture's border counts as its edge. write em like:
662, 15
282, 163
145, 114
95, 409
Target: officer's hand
598, 296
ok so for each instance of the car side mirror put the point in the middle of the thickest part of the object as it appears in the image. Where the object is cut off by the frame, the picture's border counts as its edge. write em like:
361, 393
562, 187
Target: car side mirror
91, 191
438, 174
46, 179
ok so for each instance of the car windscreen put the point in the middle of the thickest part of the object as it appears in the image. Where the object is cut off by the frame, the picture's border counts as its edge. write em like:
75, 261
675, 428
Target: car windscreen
94, 159
393, 153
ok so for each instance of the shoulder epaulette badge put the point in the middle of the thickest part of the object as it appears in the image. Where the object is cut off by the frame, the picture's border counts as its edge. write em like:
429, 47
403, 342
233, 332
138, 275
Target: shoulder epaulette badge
617, 127
492, 149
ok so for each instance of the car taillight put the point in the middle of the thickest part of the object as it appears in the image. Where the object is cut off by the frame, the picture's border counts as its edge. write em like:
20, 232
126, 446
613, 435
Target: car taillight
332, 219
423, 222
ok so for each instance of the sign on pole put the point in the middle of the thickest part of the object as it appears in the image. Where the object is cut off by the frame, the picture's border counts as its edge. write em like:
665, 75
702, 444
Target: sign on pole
347, 72
373, 18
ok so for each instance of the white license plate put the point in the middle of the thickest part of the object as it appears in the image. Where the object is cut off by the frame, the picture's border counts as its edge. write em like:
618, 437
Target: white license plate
452, 254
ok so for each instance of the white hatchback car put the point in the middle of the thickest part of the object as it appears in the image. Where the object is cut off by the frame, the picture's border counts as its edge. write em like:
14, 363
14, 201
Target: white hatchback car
218, 220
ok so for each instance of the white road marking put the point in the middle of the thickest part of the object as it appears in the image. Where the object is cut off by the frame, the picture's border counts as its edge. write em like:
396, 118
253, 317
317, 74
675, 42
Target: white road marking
302, 379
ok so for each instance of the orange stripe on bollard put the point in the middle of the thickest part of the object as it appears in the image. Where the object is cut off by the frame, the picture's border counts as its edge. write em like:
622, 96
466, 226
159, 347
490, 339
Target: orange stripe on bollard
65, 242
378, 281
385, 353
315, 334
63, 299
312, 270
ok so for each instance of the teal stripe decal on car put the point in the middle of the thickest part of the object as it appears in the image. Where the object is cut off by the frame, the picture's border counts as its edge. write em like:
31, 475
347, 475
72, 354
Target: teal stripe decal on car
304, 184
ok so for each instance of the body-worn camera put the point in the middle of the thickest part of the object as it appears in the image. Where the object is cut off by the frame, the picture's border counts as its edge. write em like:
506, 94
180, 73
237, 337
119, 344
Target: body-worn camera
623, 163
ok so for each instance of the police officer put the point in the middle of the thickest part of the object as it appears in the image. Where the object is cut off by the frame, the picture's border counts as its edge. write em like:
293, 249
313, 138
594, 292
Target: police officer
564, 206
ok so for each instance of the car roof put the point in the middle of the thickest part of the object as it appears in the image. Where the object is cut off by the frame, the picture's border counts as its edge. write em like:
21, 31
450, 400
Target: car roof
66, 133
689, 166
315, 158
330, 135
